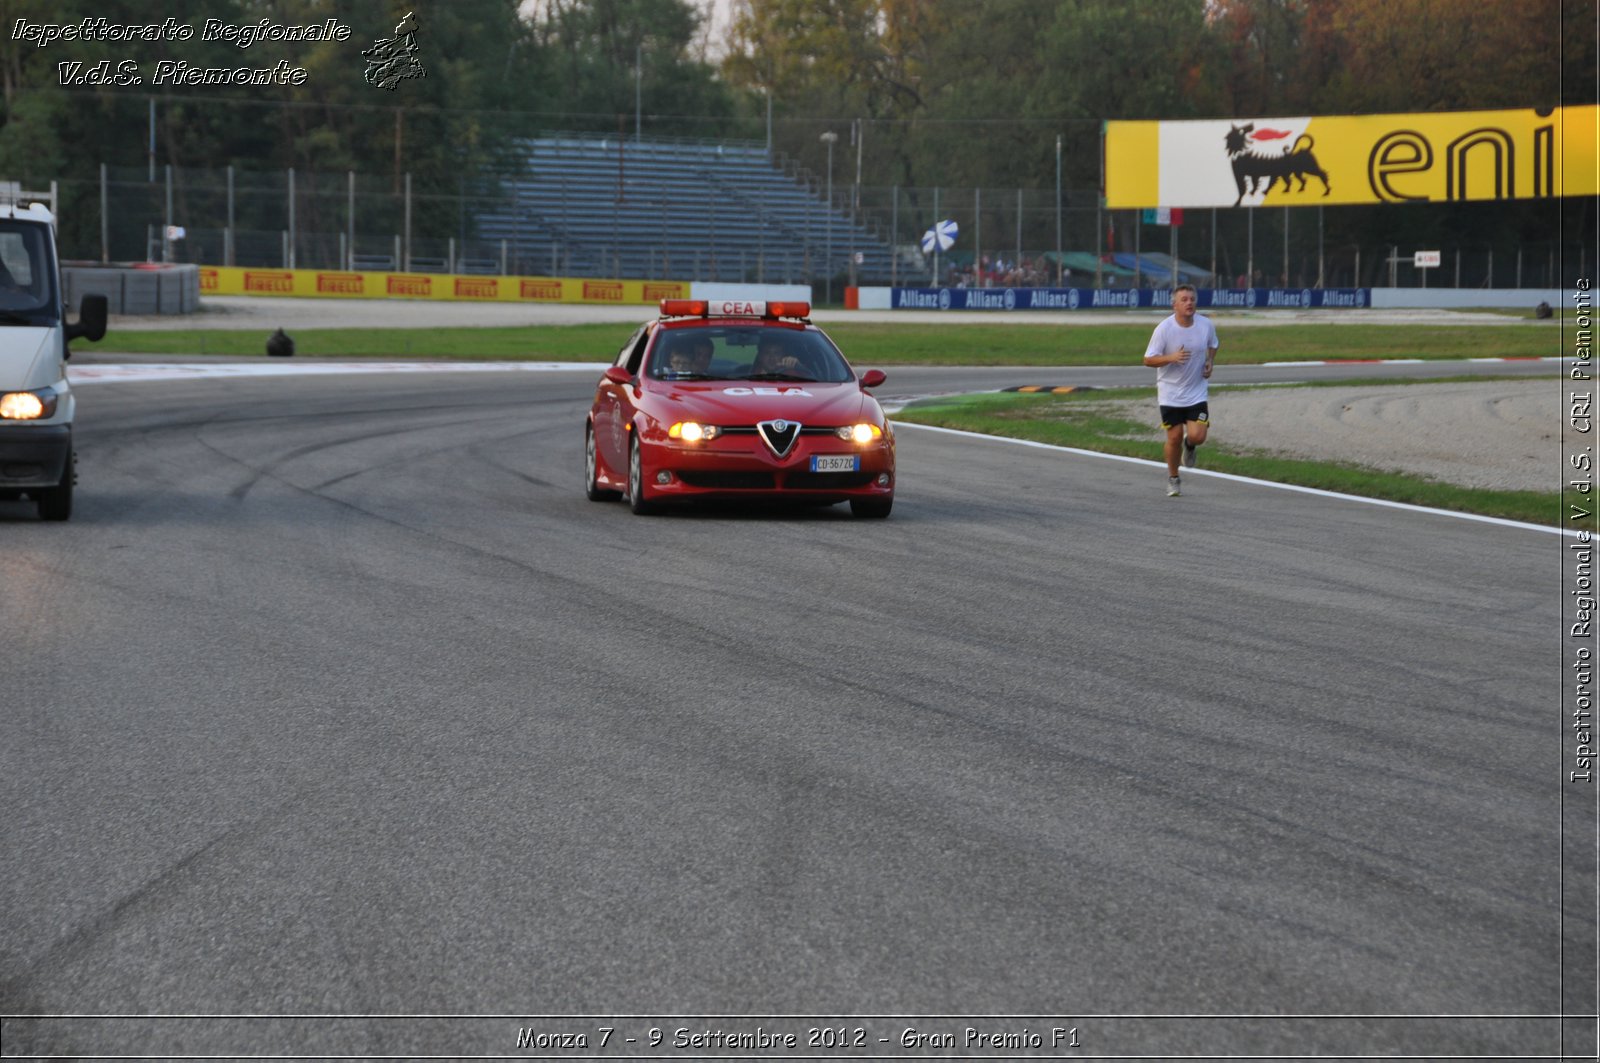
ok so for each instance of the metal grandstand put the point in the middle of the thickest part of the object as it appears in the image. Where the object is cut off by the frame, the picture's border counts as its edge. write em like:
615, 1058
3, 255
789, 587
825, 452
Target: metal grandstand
615, 206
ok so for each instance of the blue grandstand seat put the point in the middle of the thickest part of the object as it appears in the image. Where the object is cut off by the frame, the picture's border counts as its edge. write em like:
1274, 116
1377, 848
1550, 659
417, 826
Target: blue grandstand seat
590, 205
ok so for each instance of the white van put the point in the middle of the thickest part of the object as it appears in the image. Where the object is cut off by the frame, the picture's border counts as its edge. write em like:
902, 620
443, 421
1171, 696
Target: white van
36, 404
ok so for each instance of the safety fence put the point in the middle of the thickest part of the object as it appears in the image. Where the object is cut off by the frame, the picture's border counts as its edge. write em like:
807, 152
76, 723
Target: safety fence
859, 234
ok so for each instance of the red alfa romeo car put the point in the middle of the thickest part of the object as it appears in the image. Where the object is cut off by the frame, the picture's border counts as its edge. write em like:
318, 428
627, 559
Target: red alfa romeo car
738, 399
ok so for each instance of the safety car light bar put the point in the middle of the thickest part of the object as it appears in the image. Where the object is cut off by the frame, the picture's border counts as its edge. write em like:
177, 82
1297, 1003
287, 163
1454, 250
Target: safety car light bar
733, 308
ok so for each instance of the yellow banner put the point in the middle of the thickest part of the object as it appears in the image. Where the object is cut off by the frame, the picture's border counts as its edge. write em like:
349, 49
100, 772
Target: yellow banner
1375, 158
344, 284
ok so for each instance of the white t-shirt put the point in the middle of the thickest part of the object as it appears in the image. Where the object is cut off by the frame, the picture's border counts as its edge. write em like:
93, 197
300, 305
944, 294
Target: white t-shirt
1182, 384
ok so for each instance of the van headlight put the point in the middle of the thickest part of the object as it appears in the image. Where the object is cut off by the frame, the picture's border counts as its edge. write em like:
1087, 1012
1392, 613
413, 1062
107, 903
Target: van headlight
28, 405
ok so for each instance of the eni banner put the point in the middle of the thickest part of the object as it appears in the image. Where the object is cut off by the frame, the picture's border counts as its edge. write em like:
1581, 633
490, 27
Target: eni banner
1375, 158
347, 284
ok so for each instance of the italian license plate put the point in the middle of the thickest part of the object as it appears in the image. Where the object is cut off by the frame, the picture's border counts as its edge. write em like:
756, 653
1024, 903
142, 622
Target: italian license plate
835, 462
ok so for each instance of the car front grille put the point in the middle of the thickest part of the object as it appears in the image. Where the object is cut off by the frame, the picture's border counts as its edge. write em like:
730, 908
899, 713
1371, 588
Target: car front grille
799, 480
740, 481
824, 481
750, 430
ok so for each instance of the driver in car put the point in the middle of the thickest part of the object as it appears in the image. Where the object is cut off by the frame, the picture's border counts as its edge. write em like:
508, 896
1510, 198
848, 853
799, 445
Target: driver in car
774, 357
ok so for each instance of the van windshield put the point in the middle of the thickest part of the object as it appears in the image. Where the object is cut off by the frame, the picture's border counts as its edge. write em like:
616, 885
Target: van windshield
27, 275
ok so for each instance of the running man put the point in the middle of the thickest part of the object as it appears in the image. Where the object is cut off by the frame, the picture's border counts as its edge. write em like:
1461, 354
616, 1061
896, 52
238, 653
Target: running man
1182, 350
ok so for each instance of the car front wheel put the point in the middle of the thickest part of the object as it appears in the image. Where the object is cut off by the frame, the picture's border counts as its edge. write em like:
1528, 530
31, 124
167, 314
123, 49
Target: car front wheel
591, 463
636, 499
871, 507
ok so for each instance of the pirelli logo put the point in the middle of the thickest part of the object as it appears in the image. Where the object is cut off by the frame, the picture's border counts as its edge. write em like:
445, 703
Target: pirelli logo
477, 288
209, 281
410, 285
341, 284
602, 291
547, 290
654, 292
278, 282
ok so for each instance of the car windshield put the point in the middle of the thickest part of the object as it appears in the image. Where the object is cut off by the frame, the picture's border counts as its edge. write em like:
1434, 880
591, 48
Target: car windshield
735, 352
27, 275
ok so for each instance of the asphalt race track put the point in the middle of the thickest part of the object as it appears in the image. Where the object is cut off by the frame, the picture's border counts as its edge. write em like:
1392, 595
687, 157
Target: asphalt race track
337, 698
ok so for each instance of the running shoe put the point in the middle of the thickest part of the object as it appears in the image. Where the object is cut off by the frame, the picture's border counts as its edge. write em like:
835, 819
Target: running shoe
1188, 454
1173, 483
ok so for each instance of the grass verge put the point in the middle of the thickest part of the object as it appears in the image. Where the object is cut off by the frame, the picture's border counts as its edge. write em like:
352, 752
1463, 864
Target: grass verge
1084, 420
869, 344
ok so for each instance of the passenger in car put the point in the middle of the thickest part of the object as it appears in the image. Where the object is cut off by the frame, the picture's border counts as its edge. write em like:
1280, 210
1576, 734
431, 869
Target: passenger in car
680, 358
704, 351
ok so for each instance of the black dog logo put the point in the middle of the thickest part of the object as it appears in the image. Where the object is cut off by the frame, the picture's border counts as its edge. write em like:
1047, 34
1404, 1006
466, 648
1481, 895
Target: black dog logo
1251, 168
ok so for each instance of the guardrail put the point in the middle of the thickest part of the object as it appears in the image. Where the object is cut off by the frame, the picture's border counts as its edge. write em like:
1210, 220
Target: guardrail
135, 287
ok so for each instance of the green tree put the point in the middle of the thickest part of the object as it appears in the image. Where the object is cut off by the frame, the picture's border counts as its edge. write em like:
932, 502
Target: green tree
594, 50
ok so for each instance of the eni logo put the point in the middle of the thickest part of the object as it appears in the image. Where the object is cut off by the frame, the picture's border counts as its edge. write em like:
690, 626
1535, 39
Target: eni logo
1254, 172
1407, 151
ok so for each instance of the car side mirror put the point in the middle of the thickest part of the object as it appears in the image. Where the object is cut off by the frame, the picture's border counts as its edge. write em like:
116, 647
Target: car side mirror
872, 378
618, 375
91, 323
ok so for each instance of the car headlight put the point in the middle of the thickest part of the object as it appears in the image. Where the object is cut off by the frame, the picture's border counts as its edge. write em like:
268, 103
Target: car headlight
860, 433
28, 405
694, 431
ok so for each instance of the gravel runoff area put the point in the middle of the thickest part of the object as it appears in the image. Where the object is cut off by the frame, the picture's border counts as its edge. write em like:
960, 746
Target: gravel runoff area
1498, 433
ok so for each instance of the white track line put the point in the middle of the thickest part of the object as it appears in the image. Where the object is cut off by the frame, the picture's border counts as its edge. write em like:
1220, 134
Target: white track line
1246, 480
101, 374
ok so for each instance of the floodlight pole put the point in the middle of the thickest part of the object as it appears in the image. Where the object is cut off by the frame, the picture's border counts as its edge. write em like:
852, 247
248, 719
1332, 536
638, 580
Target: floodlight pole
1058, 211
828, 138
859, 132
1250, 246
1172, 231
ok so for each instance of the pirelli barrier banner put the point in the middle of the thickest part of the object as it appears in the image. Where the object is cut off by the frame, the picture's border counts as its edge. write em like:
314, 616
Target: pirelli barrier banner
1120, 298
234, 280
1376, 158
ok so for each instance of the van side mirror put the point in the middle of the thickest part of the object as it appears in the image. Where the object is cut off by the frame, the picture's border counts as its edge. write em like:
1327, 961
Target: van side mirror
91, 323
872, 378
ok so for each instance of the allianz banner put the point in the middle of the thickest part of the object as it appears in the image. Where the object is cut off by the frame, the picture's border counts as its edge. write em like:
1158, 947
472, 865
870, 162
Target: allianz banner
1119, 298
1375, 158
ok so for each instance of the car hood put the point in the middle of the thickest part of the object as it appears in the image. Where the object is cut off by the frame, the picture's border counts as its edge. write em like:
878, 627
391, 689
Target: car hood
745, 402
23, 365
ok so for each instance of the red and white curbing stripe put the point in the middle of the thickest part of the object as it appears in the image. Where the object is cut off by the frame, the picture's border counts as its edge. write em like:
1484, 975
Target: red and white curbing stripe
1409, 361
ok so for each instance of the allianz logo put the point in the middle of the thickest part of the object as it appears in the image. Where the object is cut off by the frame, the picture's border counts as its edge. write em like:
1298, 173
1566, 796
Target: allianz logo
1355, 298
919, 300
1109, 298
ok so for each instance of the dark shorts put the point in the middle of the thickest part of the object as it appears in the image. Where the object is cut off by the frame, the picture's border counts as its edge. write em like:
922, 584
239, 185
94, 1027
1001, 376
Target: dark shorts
1173, 416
